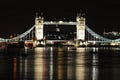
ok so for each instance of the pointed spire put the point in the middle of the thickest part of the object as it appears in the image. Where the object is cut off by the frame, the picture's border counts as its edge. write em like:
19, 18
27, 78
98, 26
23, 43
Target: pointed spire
83, 14
41, 14
79, 14
37, 14
104, 32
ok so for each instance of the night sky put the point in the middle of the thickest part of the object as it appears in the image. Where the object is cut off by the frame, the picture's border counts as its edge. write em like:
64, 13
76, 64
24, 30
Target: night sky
18, 16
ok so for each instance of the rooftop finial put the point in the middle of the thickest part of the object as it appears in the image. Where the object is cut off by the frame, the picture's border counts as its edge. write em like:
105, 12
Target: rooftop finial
41, 13
83, 14
37, 14
80, 14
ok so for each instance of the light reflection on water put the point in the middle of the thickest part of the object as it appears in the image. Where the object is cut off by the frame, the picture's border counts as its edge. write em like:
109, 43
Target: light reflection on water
60, 63
80, 61
39, 64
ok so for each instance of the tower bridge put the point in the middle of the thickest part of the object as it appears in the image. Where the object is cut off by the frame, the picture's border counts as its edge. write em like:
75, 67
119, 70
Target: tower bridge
84, 35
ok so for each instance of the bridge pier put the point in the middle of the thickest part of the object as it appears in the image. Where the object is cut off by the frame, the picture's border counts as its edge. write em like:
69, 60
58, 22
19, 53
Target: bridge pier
39, 43
77, 43
81, 43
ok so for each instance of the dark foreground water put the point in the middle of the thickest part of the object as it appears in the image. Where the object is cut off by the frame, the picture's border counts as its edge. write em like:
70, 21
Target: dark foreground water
60, 63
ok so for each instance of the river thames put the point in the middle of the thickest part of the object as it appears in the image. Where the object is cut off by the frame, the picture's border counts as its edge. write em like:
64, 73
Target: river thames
60, 63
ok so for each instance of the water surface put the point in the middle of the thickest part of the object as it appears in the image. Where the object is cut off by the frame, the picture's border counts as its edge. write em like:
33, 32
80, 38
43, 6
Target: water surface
60, 63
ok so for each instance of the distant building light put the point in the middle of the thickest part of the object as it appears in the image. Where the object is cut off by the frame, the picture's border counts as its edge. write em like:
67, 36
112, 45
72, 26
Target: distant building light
58, 29
60, 21
51, 21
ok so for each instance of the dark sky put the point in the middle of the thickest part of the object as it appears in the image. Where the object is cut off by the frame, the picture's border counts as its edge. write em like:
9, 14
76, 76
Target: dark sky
18, 16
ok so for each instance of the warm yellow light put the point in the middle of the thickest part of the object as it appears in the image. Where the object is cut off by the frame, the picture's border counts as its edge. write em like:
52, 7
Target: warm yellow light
60, 21
81, 34
80, 60
39, 33
39, 64
113, 43
51, 21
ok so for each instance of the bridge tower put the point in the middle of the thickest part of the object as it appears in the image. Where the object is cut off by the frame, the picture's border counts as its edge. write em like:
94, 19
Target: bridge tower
39, 20
38, 27
80, 29
80, 19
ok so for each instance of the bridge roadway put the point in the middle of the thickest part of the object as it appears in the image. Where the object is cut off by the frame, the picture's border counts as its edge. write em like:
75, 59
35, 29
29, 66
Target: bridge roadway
60, 42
